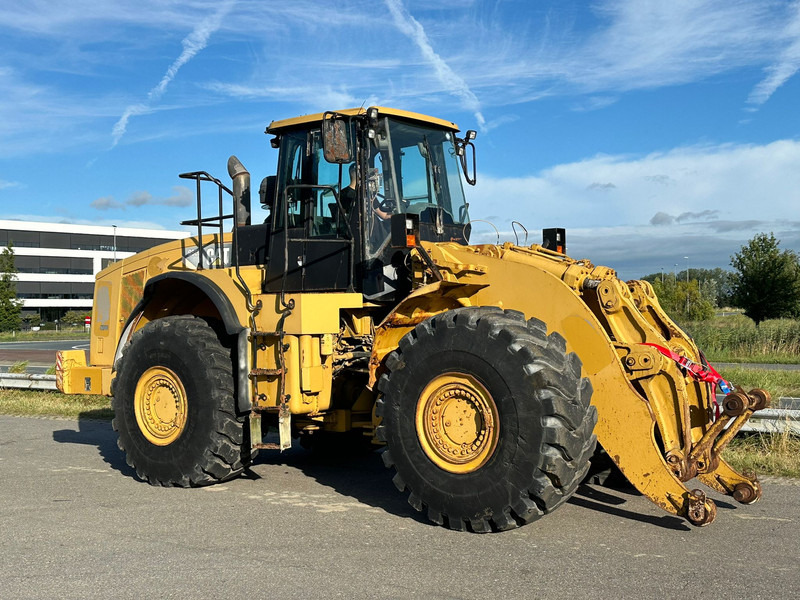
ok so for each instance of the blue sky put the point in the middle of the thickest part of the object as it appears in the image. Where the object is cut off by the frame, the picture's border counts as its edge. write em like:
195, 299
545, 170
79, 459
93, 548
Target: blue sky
650, 130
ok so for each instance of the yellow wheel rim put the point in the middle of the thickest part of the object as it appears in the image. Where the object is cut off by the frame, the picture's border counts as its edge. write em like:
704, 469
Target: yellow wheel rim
457, 423
160, 406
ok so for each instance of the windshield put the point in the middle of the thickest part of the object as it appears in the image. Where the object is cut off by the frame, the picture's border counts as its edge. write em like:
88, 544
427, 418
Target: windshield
408, 168
420, 163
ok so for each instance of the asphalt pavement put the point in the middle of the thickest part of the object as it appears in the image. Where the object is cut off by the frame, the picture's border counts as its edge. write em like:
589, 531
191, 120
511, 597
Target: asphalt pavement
76, 523
40, 356
49, 345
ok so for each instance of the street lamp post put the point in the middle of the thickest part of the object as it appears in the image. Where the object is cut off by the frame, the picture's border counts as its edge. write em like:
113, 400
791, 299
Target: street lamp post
115, 242
687, 285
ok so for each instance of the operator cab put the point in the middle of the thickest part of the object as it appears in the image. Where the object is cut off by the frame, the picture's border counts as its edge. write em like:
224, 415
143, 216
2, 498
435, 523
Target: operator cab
325, 237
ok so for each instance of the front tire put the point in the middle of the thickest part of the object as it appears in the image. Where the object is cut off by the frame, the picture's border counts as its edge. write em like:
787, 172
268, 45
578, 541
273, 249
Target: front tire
486, 419
174, 405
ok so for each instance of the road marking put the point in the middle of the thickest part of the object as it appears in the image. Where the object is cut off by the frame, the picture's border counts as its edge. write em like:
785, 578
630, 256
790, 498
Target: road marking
321, 503
84, 469
754, 518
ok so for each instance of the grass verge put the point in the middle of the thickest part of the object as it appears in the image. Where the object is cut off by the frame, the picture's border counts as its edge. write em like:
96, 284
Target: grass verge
34, 403
40, 336
736, 338
775, 454
19, 367
776, 382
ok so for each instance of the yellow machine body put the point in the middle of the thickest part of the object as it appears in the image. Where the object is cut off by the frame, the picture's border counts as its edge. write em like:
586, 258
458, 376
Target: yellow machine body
655, 422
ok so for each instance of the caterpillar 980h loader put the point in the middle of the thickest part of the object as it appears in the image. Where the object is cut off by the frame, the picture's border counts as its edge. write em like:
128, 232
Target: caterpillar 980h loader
361, 313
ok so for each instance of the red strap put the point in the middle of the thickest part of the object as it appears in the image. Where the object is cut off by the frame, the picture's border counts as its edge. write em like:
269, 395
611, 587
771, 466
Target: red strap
708, 374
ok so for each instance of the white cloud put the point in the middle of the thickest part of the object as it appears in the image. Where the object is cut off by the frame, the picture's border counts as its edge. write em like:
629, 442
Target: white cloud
121, 126
182, 196
515, 56
631, 45
649, 42
134, 224
732, 180
704, 202
43, 18
196, 41
106, 203
453, 82
593, 103
38, 117
140, 199
4, 185
487, 50
785, 67
310, 95
635, 251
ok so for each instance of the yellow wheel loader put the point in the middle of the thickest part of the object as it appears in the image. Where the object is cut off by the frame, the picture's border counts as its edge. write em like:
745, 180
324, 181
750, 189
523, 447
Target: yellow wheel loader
358, 313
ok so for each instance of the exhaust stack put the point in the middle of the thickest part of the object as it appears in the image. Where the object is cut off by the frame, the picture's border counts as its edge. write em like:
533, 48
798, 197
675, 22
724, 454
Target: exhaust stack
241, 191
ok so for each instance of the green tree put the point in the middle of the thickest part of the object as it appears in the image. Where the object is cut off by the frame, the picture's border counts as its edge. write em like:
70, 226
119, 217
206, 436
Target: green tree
683, 301
74, 317
30, 318
10, 307
766, 282
714, 284
698, 305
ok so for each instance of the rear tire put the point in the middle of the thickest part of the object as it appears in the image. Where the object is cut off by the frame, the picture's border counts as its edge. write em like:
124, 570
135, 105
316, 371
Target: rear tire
486, 419
174, 405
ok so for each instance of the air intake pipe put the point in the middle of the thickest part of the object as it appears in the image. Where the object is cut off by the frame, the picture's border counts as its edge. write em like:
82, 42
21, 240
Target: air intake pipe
241, 191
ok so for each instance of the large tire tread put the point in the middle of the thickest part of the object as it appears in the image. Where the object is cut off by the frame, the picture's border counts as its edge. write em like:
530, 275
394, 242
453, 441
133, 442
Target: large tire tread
220, 453
552, 384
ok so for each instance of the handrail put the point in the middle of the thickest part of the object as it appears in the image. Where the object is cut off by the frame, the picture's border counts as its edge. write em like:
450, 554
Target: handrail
200, 176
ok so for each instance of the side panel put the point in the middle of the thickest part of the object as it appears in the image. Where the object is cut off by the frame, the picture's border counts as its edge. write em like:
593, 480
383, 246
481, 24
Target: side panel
309, 330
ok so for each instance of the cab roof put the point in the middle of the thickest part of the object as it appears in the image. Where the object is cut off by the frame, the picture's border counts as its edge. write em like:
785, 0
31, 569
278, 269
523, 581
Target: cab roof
278, 126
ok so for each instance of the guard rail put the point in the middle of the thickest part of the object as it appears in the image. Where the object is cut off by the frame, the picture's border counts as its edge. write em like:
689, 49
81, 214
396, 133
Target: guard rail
783, 416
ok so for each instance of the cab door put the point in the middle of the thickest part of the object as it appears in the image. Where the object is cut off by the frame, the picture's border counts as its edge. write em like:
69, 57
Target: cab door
311, 247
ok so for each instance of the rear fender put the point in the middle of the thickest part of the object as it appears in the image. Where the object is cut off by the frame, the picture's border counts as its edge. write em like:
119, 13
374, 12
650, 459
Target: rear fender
190, 293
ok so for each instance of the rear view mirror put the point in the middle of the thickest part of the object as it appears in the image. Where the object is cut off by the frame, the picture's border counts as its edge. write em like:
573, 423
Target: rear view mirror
337, 142
461, 150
